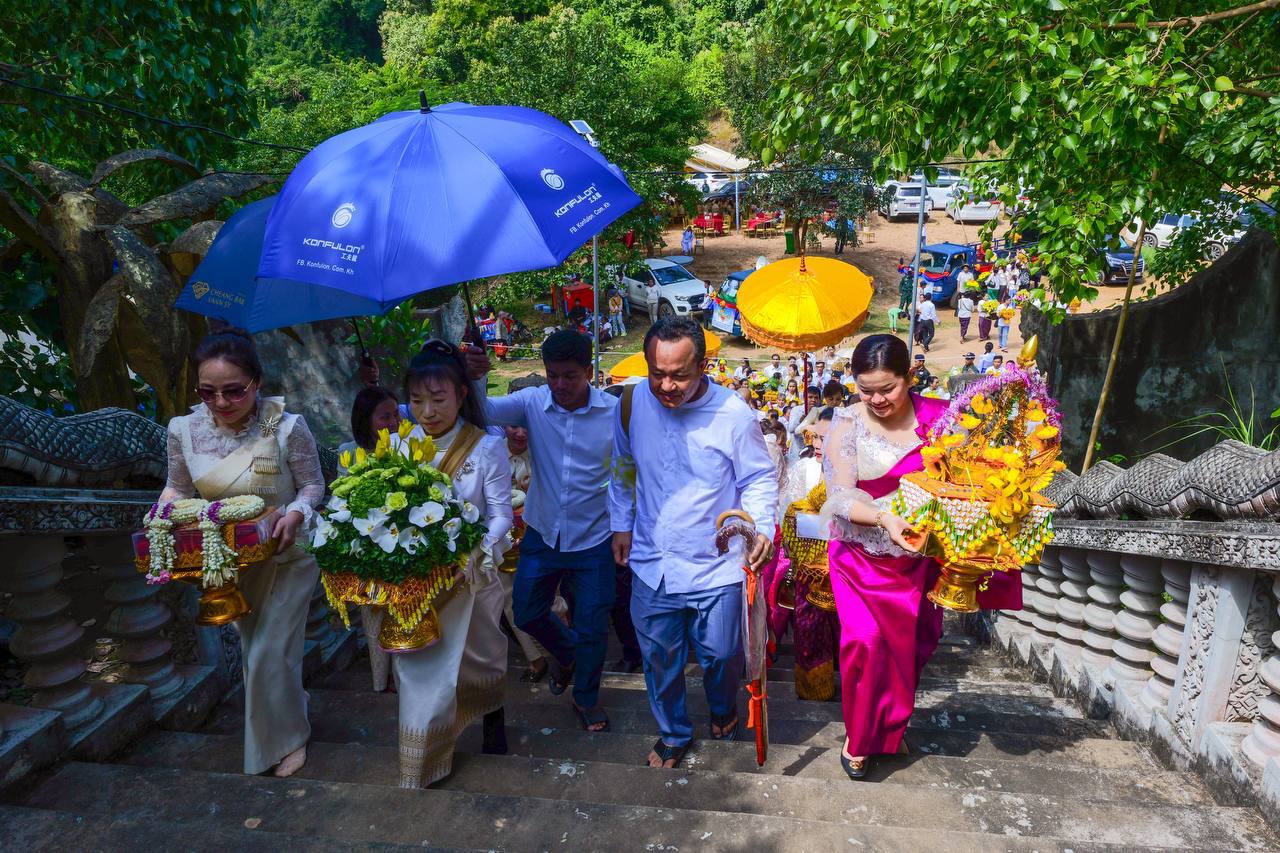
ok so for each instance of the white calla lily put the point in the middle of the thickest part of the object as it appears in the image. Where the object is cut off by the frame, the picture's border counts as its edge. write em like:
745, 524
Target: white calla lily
411, 539
386, 538
452, 528
427, 514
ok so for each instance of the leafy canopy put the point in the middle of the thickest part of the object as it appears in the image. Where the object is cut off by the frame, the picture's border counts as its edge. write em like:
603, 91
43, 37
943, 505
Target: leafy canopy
166, 58
1103, 110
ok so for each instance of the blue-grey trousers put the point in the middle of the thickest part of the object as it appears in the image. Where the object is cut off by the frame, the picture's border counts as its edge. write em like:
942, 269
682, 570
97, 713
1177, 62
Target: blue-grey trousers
666, 624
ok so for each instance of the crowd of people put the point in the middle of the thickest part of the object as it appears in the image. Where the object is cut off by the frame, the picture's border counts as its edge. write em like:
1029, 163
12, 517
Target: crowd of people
619, 491
993, 297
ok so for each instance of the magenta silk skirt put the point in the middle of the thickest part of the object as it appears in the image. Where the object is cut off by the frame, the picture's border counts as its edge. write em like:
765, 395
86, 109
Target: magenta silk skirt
888, 632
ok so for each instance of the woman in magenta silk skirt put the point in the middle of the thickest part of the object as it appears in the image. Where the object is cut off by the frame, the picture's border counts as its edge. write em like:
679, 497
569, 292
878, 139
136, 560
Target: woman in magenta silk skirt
888, 628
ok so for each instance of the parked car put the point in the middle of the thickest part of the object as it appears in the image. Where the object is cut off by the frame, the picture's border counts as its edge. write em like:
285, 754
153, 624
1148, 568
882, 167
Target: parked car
1160, 233
962, 207
903, 200
681, 293
939, 189
1119, 263
940, 264
709, 182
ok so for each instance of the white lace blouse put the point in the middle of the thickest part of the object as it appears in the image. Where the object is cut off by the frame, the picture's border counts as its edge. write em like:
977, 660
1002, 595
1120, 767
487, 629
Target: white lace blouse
855, 453
197, 443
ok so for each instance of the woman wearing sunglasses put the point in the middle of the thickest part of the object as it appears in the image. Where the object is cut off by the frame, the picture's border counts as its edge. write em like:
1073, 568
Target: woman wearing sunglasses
238, 442
446, 686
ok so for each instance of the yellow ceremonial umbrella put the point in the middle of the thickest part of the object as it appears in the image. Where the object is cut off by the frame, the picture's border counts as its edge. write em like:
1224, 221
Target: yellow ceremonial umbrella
635, 365
804, 303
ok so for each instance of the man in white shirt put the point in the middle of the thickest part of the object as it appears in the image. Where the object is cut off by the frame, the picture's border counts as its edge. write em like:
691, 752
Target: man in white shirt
744, 370
685, 450
926, 320
964, 278
964, 313
821, 376
568, 535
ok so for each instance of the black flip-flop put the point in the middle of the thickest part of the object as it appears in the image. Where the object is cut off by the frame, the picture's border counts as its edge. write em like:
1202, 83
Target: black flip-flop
593, 717
666, 752
560, 678
533, 676
722, 721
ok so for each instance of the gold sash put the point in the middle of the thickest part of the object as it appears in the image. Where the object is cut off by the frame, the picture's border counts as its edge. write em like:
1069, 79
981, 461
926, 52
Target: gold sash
262, 456
463, 443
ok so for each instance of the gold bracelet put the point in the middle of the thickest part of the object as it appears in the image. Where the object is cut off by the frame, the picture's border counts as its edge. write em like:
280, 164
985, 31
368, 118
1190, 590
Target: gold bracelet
879, 521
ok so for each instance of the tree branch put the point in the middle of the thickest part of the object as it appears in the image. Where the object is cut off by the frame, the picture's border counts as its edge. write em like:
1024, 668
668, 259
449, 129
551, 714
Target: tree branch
1196, 21
18, 220
1256, 93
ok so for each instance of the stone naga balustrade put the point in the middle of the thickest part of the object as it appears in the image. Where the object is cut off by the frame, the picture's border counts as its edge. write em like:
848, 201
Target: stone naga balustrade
1156, 605
92, 477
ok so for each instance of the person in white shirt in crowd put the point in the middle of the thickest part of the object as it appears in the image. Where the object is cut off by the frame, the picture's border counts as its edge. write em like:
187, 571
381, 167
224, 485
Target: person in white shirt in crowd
775, 366
964, 313
964, 278
988, 355
654, 297
568, 535
821, 376
686, 450
744, 370
926, 321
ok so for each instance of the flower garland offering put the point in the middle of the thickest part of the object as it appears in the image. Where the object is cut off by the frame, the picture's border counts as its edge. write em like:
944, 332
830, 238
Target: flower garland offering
218, 564
394, 533
159, 523
978, 503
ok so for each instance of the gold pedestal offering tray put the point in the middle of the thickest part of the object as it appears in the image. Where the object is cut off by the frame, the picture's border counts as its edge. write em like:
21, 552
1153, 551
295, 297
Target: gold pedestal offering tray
809, 556
412, 621
977, 506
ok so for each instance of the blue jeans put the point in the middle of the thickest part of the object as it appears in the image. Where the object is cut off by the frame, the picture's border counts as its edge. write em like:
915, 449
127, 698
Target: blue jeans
590, 575
1004, 337
666, 624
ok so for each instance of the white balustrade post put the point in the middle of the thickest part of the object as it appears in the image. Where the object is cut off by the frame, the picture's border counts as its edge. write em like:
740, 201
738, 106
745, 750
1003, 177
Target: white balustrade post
1138, 620
1044, 603
1100, 613
1170, 635
1072, 598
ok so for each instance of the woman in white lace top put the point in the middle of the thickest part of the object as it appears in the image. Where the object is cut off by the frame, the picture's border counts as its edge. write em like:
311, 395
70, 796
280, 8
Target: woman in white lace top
888, 629
238, 442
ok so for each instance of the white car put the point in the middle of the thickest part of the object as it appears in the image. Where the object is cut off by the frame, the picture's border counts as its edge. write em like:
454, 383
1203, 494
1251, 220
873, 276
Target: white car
1161, 233
940, 189
904, 200
708, 182
680, 292
962, 207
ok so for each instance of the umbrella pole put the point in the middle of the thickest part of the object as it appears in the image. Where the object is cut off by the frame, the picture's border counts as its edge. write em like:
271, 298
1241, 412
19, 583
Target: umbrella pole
364, 351
595, 306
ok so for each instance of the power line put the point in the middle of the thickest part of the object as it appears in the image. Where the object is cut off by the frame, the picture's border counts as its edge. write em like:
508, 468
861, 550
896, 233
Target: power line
139, 114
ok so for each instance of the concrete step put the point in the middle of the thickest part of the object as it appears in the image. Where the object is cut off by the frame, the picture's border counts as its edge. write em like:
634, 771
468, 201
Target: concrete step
197, 801
340, 716
376, 763
1001, 680
40, 829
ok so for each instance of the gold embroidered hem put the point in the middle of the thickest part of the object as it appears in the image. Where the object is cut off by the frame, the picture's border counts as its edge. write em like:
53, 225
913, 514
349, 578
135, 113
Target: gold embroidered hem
476, 700
818, 684
426, 756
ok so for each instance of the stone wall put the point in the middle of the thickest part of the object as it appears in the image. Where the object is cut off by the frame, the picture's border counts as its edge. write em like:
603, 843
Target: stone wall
1175, 349
318, 379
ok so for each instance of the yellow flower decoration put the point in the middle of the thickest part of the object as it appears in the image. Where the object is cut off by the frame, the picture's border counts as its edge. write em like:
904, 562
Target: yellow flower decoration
981, 405
361, 456
1046, 432
969, 421
345, 459
952, 439
404, 429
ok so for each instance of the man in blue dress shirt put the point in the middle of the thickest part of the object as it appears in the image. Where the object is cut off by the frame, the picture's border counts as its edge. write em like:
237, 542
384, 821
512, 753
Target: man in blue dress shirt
685, 450
568, 532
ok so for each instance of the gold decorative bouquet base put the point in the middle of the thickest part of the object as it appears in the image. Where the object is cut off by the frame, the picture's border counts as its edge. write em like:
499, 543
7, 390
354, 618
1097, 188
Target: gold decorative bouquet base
250, 541
411, 622
809, 556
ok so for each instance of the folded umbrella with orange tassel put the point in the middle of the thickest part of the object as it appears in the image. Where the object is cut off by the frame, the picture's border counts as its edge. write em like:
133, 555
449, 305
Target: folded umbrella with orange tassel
755, 612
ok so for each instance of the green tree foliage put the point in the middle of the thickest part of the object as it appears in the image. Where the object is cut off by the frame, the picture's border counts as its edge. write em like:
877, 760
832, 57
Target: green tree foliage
837, 183
314, 31
1106, 109
441, 39
164, 57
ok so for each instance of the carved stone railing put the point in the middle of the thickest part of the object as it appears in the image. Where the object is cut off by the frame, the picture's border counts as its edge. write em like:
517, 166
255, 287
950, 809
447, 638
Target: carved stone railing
86, 481
1156, 605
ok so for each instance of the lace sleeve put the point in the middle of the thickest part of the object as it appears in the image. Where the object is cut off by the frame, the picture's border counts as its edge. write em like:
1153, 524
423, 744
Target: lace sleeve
178, 483
304, 464
840, 470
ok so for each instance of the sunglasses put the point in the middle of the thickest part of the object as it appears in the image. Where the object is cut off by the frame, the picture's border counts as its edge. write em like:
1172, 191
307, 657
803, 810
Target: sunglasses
232, 394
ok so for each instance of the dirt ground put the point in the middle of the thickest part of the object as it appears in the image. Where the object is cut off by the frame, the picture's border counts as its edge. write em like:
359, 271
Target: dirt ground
877, 257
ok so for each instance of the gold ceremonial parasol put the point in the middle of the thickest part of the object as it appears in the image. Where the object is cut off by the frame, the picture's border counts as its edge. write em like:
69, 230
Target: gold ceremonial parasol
804, 303
635, 365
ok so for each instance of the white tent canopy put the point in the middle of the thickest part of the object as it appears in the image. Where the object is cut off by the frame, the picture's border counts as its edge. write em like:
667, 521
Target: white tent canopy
708, 158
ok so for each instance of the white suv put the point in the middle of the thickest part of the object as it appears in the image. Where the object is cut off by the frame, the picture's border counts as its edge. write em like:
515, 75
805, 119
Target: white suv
680, 293
904, 200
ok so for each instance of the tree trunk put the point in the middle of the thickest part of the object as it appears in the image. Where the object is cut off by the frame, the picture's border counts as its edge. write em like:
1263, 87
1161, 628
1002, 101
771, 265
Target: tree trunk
1115, 351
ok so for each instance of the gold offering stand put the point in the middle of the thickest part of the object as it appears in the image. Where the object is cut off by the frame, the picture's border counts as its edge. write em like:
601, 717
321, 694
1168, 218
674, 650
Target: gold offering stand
223, 604
411, 621
809, 557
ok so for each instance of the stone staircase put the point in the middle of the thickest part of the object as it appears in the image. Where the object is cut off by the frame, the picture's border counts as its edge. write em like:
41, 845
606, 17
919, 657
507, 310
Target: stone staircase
998, 764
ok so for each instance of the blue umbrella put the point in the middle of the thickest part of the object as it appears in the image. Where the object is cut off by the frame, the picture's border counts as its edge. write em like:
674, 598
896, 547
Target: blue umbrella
430, 197
226, 286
